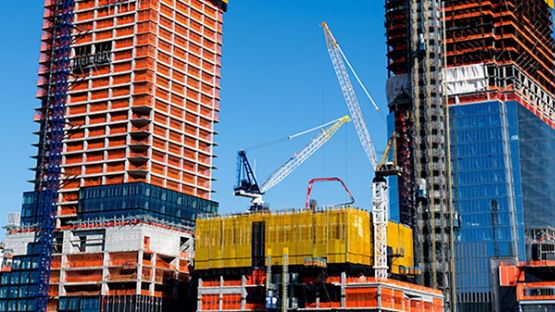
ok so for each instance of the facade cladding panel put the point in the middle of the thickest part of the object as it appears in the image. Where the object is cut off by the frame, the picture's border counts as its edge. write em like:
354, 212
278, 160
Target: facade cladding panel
502, 184
141, 199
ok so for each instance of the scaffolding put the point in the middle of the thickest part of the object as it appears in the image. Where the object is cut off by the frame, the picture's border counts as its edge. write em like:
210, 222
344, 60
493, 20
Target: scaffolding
50, 152
341, 236
415, 38
501, 32
433, 236
541, 244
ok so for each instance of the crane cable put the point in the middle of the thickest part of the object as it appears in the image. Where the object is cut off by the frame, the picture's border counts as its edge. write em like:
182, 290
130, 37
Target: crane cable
357, 77
293, 136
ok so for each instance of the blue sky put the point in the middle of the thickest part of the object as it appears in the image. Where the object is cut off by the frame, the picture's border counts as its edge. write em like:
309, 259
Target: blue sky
277, 80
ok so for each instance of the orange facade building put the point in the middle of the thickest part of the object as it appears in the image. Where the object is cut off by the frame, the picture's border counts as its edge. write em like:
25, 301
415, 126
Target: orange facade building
143, 97
130, 95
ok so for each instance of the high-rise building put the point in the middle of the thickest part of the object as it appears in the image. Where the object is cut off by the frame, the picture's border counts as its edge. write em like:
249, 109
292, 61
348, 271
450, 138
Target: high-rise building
136, 84
500, 83
496, 77
418, 116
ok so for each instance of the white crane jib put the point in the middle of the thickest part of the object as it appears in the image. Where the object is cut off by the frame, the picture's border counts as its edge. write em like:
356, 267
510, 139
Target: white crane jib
246, 181
337, 57
379, 184
298, 158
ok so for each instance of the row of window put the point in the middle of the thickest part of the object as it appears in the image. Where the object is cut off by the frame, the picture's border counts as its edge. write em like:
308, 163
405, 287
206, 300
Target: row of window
14, 292
81, 304
18, 305
112, 303
142, 199
18, 277
130, 199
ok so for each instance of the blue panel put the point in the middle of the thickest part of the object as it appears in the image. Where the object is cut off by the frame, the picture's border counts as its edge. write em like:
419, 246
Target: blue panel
537, 148
486, 192
140, 199
502, 161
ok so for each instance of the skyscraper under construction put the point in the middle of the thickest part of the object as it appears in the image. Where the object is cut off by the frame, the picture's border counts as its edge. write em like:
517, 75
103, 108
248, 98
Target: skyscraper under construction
414, 37
471, 97
129, 97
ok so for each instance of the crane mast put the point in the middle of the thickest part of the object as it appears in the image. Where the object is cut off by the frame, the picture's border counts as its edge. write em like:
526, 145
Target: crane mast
246, 181
380, 199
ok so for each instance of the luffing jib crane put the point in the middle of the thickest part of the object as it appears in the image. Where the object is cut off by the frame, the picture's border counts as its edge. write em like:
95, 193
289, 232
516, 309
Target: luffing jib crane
382, 169
247, 185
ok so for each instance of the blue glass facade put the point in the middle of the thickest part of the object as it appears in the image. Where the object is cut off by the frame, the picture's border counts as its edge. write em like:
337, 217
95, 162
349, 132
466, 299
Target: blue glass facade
392, 182
80, 304
494, 165
537, 149
29, 208
136, 199
130, 199
18, 288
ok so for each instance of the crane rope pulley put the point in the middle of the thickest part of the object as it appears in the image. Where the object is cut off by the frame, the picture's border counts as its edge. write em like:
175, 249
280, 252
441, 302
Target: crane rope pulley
247, 185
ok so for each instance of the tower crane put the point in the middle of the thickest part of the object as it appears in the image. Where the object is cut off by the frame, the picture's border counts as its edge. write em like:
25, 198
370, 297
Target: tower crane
382, 169
247, 185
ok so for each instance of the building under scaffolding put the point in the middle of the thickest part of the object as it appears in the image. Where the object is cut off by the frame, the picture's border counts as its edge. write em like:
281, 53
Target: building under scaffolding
418, 115
129, 98
492, 64
305, 260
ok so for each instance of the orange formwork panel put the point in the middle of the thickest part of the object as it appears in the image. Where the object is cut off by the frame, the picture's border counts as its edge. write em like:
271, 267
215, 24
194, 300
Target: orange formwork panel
359, 293
84, 260
123, 258
514, 275
83, 276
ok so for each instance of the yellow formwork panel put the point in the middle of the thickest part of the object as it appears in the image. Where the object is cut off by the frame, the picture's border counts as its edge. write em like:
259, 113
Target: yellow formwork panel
338, 235
550, 3
400, 240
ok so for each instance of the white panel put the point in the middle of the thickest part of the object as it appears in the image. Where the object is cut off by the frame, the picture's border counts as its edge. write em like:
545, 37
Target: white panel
162, 241
18, 242
466, 79
124, 238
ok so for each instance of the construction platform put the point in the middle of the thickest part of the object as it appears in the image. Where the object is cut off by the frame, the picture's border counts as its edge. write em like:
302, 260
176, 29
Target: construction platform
341, 236
307, 260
